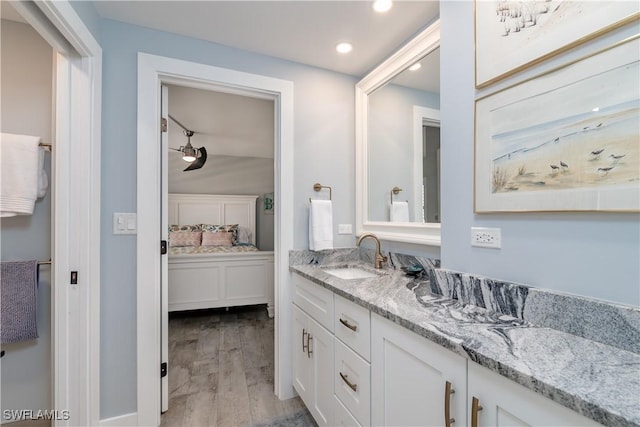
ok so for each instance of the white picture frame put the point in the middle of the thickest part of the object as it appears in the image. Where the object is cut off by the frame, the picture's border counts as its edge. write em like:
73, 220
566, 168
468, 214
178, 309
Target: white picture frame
513, 35
564, 141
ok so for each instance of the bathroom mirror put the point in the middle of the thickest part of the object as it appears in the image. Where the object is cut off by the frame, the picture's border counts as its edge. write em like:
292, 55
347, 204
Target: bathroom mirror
392, 121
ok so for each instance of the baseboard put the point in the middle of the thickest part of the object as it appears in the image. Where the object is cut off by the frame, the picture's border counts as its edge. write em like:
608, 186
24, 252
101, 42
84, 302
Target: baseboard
126, 420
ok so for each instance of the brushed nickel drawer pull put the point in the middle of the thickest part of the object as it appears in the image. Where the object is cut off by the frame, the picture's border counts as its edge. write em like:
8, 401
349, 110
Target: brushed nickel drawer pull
304, 347
351, 385
448, 391
475, 408
309, 351
354, 328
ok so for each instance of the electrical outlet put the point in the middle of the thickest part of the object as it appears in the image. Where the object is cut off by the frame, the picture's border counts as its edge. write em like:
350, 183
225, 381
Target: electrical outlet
486, 237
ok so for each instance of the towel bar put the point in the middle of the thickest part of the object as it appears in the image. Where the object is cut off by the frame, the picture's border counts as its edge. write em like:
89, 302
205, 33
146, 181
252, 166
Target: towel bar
394, 190
317, 187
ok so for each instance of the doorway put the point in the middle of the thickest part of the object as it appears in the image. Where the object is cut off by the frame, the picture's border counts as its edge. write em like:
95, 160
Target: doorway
233, 136
153, 71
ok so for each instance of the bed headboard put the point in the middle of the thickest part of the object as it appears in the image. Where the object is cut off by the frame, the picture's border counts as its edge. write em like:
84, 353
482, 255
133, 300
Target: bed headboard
186, 209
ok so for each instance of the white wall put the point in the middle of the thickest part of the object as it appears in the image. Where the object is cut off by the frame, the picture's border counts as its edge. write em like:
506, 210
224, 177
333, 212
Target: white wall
26, 87
590, 254
323, 152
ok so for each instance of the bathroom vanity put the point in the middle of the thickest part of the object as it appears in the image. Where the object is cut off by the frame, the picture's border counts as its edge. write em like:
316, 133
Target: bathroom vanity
385, 351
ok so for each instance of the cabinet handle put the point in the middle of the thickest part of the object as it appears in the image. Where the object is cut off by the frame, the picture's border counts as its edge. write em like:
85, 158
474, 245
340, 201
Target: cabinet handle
475, 408
354, 328
448, 391
309, 351
351, 385
304, 347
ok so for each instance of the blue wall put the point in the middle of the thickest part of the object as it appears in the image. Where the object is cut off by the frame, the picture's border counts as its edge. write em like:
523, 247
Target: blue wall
324, 152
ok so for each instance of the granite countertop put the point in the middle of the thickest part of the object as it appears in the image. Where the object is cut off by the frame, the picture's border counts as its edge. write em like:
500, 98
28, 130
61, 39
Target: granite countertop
596, 380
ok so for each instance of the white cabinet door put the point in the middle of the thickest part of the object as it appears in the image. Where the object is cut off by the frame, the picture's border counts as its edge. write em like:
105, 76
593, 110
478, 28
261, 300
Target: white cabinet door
321, 356
506, 403
301, 362
409, 376
313, 366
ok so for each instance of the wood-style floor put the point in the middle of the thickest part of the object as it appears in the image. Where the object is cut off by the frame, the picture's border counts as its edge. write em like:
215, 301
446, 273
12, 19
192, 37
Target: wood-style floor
221, 372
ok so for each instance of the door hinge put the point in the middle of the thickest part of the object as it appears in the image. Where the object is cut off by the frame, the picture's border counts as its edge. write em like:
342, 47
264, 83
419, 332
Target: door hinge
163, 247
163, 369
163, 124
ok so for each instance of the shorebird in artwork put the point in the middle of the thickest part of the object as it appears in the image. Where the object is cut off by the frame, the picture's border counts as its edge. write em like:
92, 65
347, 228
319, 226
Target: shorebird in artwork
606, 170
564, 165
616, 158
554, 168
597, 153
599, 124
557, 139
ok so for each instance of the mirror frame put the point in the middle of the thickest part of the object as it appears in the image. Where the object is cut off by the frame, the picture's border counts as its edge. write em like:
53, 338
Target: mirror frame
410, 232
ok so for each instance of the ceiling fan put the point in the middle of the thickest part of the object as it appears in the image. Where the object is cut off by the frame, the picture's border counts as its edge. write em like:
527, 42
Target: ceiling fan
196, 156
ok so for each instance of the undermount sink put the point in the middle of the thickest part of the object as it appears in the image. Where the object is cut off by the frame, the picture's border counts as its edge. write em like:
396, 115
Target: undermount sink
348, 273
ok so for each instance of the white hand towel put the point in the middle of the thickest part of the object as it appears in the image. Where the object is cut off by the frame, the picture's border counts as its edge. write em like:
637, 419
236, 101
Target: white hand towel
320, 225
19, 160
399, 212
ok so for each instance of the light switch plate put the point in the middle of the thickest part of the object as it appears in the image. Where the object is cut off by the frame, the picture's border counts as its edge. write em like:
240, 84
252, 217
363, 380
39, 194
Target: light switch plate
345, 229
125, 223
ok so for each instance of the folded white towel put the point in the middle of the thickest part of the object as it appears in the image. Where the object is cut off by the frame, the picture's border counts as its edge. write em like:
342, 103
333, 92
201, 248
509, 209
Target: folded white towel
19, 160
399, 212
320, 225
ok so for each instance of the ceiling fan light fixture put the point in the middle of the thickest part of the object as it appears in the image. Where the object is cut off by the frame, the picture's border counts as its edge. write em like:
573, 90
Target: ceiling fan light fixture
189, 153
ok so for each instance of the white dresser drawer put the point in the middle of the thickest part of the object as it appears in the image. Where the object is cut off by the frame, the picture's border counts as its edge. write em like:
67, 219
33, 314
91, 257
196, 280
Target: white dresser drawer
341, 415
314, 300
353, 326
352, 382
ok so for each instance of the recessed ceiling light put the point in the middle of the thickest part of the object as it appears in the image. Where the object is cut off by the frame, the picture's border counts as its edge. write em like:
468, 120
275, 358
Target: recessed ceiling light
344, 47
382, 5
415, 66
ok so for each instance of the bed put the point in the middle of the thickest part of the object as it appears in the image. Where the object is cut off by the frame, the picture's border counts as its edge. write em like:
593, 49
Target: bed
227, 276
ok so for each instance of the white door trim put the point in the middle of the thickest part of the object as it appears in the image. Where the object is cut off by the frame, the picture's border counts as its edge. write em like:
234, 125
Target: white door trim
76, 208
152, 71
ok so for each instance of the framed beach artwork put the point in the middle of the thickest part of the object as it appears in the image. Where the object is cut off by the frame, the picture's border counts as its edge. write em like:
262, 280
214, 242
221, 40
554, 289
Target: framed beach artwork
565, 141
513, 35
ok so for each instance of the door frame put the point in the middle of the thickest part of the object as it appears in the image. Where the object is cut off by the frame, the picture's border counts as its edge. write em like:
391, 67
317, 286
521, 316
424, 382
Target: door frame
75, 208
153, 71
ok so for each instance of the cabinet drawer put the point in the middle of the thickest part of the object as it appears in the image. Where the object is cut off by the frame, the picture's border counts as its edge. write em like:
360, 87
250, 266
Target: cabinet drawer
352, 382
314, 300
341, 415
353, 326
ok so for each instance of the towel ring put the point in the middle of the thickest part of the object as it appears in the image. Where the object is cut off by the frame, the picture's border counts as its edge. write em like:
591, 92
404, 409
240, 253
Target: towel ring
317, 187
394, 190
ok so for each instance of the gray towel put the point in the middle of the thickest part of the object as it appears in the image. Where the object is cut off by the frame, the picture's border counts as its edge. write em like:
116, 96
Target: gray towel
19, 301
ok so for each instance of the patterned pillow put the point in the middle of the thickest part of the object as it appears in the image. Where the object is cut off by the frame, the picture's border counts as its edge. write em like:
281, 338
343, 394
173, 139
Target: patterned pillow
184, 228
233, 229
185, 238
220, 238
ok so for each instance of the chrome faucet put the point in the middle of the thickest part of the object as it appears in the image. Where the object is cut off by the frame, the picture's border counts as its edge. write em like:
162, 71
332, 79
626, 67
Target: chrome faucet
379, 259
